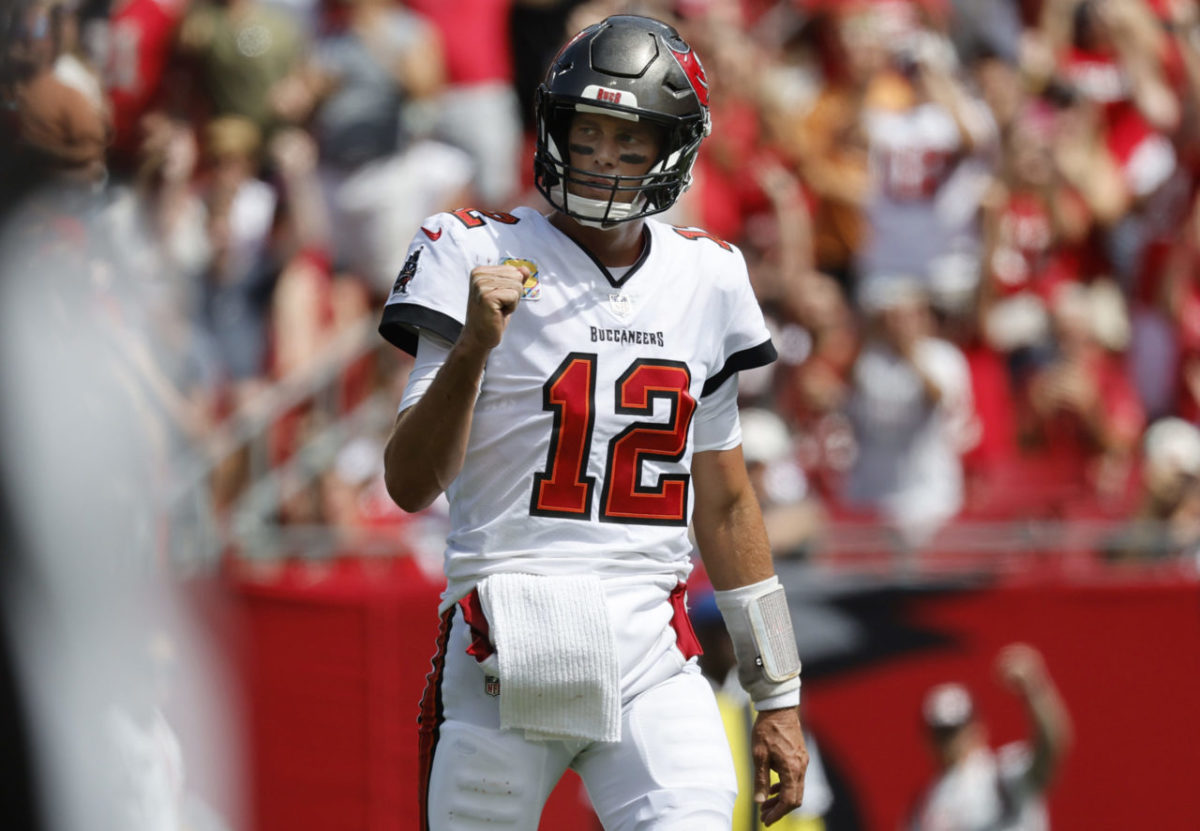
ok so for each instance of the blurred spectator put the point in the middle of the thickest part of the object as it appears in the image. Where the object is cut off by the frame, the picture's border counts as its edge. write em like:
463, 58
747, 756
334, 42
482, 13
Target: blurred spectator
931, 145
1111, 57
380, 179
169, 205
307, 307
159, 221
52, 129
913, 415
239, 52
976, 787
1180, 300
986, 27
479, 90
792, 515
1181, 22
741, 190
72, 65
1166, 523
1080, 418
238, 282
354, 498
817, 339
136, 49
813, 116
1034, 228
990, 462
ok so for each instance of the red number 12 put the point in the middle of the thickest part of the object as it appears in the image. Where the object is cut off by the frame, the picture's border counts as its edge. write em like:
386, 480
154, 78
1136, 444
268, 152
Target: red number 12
565, 490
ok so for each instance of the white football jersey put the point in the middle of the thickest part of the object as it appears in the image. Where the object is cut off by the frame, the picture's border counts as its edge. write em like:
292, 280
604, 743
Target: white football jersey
580, 450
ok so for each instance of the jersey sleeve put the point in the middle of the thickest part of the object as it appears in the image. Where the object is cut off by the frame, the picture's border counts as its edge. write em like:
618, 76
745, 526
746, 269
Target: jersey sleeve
717, 424
432, 352
430, 292
745, 342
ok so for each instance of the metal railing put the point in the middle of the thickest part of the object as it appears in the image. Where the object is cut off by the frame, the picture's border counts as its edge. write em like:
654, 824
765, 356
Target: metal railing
248, 524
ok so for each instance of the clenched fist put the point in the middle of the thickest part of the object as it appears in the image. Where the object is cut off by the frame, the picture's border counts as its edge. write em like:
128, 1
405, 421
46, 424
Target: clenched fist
495, 292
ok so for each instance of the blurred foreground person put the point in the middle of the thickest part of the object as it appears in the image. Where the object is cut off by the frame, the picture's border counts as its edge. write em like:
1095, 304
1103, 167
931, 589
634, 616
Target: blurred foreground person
101, 524
976, 788
574, 394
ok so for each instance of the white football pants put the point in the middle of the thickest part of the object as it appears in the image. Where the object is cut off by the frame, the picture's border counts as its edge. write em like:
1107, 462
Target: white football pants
671, 770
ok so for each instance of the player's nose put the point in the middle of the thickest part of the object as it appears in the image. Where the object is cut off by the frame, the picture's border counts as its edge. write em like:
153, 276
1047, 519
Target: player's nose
605, 152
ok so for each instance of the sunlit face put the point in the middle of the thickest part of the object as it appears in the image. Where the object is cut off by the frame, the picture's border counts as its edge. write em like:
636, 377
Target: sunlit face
612, 146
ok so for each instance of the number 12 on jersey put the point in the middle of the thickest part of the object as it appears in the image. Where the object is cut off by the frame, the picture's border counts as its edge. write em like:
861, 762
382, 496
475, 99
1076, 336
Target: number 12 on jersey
565, 490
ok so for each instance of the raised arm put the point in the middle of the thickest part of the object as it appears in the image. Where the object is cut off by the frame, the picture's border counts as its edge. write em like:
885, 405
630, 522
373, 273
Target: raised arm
428, 443
1021, 668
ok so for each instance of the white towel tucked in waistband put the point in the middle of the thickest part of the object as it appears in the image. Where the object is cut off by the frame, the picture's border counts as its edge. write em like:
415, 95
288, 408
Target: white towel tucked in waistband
559, 676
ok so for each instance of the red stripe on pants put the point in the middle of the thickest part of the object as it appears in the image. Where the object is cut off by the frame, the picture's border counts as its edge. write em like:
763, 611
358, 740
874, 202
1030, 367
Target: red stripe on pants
431, 718
685, 635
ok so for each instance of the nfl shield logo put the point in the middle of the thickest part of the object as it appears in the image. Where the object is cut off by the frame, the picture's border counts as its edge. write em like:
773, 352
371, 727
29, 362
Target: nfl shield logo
491, 685
621, 305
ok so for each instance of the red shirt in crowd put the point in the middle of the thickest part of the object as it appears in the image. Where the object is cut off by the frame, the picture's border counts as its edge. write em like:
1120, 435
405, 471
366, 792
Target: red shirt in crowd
475, 39
141, 37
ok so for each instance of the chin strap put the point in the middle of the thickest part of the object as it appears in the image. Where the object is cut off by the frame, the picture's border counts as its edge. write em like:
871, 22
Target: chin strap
599, 213
758, 622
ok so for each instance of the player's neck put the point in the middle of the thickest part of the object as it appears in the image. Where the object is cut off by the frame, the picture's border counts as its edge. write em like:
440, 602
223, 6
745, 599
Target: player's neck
615, 247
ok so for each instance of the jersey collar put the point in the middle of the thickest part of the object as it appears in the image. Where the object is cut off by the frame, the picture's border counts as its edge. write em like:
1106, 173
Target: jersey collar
647, 239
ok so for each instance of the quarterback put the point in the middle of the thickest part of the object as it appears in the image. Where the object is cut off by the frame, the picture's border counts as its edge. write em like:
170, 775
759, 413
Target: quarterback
574, 395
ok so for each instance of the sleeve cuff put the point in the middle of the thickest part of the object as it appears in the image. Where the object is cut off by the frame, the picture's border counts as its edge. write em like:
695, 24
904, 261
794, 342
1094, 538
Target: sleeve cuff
782, 701
402, 321
755, 356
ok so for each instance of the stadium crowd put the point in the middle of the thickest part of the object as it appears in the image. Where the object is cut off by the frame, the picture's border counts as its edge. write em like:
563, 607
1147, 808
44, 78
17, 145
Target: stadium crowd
973, 224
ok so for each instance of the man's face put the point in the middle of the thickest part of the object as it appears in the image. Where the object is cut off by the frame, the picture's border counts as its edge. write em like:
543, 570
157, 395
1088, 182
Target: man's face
952, 745
612, 146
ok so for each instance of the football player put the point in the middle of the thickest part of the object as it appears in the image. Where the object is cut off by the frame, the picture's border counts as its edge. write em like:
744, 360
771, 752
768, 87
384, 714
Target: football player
574, 395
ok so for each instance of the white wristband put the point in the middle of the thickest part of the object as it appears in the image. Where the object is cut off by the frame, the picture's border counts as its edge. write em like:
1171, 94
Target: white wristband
783, 701
758, 622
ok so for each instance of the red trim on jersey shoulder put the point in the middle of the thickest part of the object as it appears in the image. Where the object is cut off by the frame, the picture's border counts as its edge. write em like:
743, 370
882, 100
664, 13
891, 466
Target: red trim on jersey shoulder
700, 233
473, 217
689, 61
430, 719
